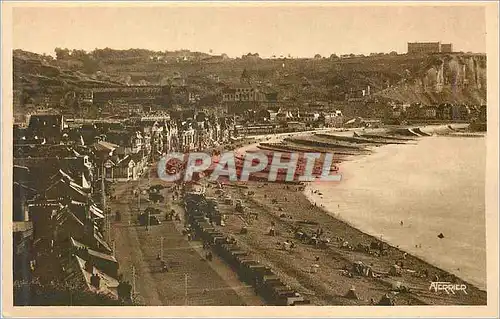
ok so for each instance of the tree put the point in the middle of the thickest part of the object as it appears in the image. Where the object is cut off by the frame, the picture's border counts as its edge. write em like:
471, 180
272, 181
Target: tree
78, 54
333, 56
61, 54
317, 56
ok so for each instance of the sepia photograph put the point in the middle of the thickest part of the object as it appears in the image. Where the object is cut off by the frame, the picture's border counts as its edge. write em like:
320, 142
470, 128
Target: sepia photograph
328, 158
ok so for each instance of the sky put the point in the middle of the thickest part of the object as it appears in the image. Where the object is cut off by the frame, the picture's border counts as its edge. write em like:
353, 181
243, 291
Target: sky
301, 31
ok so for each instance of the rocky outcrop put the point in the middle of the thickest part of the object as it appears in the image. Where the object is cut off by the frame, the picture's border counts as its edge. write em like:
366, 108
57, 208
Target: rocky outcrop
454, 78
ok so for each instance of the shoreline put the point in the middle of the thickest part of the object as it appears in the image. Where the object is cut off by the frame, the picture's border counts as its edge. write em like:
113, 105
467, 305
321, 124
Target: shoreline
328, 286
383, 239
355, 235
441, 130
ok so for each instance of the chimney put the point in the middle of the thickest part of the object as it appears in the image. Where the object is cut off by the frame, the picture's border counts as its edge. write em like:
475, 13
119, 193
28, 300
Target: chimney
89, 265
95, 281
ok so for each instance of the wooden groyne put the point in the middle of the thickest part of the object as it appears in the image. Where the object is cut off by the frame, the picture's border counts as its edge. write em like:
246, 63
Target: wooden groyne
357, 140
333, 145
288, 148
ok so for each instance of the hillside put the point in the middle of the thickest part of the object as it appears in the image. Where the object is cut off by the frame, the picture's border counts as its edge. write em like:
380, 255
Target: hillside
428, 79
39, 79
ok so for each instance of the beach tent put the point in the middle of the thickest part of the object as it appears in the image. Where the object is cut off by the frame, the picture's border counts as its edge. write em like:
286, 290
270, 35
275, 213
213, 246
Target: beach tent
395, 270
386, 300
362, 270
351, 294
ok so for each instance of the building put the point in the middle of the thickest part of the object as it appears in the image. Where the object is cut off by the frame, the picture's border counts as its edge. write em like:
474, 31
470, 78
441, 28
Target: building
428, 112
86, 97
268, 115
46, 122
128, 141
459, 112
446, 47
309, 117
358, 95
444, 111
429, 47
129, 94
256, 129
193, 97
333, 119
243, 94
284, 116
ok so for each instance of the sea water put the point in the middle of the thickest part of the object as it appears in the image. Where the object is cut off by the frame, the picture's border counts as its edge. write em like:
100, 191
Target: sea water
409, 194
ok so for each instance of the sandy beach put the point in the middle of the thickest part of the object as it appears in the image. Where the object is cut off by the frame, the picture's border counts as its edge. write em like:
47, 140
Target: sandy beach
326, 274
331, 282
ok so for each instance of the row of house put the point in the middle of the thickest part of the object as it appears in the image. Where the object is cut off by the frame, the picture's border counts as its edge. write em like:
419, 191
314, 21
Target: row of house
62, 175
278, 120
445, 111
326, 118
59, 236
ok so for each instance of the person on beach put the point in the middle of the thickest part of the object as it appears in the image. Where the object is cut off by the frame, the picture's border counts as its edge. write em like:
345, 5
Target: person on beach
401, 223
164, 266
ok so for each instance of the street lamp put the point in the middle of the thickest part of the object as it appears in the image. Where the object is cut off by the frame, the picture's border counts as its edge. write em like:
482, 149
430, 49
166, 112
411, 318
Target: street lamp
161, 248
